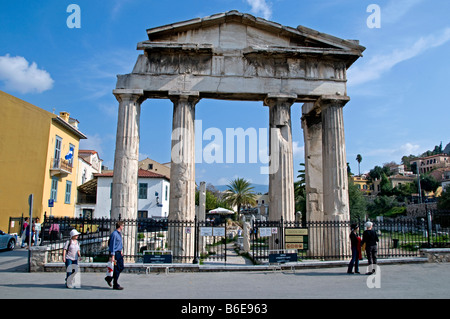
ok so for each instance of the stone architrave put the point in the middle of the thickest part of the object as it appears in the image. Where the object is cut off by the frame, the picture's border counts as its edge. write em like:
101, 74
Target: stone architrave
182, 171
335, 179
312, 132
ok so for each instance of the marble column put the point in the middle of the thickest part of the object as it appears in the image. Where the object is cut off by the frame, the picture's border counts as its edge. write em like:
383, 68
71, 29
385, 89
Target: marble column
125, 179
182, 171
335, 179
281, 169
124, 192
312, 133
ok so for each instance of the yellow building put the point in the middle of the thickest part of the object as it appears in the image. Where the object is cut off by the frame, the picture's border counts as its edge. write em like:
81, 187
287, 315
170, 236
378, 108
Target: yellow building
34, 145
362, 183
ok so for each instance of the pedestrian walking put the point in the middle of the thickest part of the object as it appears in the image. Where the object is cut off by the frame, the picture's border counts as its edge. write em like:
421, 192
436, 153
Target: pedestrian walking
116, 255
37, 231
71, 253
24, 232
370, 238
355, 241
29, 235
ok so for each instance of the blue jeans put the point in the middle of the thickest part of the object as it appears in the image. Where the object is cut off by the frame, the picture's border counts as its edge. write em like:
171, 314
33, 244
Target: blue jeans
68, 263
354, 261
118, 268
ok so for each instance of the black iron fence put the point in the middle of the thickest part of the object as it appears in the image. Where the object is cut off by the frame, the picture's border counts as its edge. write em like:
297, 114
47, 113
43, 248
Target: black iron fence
328, 240
194, 241
185, 241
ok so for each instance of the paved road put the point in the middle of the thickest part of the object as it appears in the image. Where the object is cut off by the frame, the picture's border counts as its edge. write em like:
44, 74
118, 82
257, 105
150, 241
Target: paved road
408, 281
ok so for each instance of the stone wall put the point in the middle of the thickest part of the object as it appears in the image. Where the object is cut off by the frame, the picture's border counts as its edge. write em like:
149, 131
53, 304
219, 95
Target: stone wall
436, 255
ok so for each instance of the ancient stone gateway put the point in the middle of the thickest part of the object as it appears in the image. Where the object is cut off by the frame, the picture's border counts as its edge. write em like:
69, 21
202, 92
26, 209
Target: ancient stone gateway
236, 56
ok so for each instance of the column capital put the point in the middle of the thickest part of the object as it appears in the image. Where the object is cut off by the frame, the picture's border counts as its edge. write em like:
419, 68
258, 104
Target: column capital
190, 96
328, 100
131, 94
273, 98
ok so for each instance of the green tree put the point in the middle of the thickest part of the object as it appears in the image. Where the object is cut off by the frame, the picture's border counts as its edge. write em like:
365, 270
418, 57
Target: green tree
357, 202
428, 183
443, 202
359, 160
385, 185
240, 192
377, 172
300, 191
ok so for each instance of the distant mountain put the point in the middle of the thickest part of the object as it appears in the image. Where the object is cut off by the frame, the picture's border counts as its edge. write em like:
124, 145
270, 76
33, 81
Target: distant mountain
257, 188
447, 149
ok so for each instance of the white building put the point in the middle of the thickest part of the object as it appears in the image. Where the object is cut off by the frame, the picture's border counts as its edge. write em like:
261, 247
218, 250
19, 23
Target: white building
153, 194
89, 163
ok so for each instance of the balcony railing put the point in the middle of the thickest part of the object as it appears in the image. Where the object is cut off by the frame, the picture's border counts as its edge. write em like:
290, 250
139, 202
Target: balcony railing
60, 166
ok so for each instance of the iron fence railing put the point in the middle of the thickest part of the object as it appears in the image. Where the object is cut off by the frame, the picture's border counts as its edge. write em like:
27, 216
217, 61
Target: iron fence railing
188, 241
194, 241
328, 240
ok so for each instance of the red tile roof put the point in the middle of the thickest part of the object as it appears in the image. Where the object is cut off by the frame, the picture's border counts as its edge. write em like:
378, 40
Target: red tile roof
142, 173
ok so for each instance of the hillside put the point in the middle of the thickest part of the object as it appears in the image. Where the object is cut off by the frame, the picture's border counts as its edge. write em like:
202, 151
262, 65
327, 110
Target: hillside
258, 188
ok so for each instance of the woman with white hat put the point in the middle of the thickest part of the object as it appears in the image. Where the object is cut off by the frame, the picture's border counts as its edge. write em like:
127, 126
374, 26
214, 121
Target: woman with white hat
71, 251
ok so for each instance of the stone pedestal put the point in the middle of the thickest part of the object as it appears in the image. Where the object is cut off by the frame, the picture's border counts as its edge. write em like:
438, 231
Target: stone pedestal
182, 171
124, 192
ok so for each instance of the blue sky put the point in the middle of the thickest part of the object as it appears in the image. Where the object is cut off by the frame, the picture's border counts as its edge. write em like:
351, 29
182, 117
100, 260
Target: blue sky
399, 89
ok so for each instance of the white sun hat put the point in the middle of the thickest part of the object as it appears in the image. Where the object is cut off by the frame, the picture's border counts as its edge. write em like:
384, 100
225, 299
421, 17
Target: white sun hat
74, 232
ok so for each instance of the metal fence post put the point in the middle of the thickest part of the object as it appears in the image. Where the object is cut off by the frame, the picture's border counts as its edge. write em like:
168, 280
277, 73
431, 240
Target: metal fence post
196, 228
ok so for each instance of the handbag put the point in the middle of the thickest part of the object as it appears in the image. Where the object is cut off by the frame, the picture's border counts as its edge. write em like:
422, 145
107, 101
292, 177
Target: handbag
109, 269
363, 247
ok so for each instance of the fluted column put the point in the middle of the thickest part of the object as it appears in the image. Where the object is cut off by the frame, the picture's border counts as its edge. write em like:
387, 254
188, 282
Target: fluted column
124, 190
125, 179
312, 133
182, 171
281, 170
335, 180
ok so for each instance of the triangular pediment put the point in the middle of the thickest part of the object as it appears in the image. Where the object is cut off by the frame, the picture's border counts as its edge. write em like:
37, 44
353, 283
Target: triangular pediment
235, 30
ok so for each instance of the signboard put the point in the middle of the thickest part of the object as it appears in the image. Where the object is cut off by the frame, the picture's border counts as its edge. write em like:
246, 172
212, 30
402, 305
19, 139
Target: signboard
157, 259
206, 231
282, 258
218, 231
296, 238
50, 203
267, 231
212, 231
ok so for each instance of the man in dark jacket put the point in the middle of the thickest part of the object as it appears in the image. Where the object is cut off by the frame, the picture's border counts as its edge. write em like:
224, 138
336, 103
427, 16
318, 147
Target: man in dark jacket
370, 238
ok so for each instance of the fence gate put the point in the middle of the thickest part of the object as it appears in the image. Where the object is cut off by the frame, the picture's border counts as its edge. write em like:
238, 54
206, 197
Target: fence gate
268, 237
211, 241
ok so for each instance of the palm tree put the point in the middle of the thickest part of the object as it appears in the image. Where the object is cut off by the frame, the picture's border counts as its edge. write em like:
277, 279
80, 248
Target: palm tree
300, 191
359, 160
240, 192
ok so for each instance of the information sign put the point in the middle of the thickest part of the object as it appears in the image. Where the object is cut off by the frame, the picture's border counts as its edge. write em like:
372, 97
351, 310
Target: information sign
296, 238
282, 258
157, 259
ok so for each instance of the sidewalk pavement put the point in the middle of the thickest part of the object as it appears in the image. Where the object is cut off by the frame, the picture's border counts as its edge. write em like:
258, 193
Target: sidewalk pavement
391, 281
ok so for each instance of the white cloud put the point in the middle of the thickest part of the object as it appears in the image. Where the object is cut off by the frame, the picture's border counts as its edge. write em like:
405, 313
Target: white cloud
382, 63
260, 7
397, 9
298, 151
93, 142
18, 75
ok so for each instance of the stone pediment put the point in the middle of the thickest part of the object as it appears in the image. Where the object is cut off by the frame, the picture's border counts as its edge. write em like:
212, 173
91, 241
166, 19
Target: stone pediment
237, 56
233, 30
